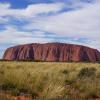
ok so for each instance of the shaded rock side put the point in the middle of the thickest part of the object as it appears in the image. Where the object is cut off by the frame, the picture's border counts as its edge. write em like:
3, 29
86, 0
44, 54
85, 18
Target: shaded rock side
52, 52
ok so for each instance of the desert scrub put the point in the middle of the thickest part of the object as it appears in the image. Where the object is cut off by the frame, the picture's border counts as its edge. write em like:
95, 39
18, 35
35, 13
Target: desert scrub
87, 72
8, 85
51, 81
65, 72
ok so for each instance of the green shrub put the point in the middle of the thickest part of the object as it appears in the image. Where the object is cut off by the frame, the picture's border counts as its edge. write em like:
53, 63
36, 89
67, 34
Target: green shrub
65, 71
40, 87
69, 82
87, 72
8, 85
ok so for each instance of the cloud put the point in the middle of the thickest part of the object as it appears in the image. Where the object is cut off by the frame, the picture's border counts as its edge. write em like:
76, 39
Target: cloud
31, 11
3, 20
43, 8
80, 23
65, 1
12, 35
4, 6
73, 22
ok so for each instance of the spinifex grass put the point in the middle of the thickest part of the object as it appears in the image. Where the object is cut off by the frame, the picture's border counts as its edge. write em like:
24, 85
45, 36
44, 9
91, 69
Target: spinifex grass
51, 81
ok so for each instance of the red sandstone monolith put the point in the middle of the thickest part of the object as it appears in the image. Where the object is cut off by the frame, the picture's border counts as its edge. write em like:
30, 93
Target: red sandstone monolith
56, 52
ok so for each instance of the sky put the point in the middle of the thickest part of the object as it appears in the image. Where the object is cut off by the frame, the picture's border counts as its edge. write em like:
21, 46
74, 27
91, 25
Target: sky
42, 21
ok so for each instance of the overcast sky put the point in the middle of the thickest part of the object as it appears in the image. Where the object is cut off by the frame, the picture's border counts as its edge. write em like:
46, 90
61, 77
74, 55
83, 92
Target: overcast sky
69, 21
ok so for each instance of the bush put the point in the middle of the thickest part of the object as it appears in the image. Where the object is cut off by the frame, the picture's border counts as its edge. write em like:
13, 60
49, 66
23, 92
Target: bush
65, 71
69, 82
7, 85
87, 72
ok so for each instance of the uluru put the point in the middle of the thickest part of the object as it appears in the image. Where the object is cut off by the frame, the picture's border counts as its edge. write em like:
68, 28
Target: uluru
53, 52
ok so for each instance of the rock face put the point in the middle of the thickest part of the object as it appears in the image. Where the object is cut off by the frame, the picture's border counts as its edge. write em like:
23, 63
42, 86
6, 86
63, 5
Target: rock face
52, 52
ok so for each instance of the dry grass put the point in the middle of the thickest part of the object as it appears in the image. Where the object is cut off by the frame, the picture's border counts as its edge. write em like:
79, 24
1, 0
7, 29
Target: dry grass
50, 81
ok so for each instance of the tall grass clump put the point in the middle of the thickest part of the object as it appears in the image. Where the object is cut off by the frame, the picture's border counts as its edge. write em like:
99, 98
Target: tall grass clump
87, 72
